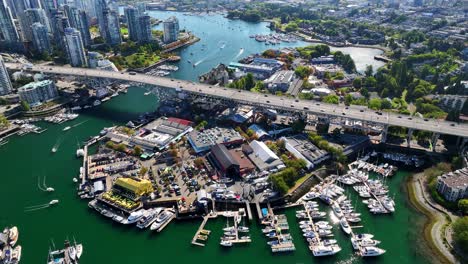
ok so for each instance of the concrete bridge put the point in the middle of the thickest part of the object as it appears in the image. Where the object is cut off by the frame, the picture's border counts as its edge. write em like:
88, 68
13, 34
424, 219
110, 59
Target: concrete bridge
264, 101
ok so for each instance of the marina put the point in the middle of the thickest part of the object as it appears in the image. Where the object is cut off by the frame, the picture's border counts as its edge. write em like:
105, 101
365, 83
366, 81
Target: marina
118, 234
10, 250
177, 232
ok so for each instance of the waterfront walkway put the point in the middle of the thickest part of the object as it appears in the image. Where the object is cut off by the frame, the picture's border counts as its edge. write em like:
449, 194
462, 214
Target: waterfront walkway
438, 214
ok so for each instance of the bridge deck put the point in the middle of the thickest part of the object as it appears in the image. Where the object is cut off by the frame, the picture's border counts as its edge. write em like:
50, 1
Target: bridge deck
263, 100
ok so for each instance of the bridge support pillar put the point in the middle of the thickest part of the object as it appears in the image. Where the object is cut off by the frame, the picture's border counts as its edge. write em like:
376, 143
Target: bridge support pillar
461, 142
435, 137
409, 136
384, 134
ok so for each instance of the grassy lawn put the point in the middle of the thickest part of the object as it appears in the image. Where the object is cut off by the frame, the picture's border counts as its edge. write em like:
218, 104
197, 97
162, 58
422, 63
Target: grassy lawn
138, 60
299, 182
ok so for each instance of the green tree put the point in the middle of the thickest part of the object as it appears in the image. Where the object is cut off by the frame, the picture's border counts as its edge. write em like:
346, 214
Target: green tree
463, 206
357, 83
143, 171
4, 123
460, 233
302, 71
375, 104
137, 151
331, 99
121, 147
249, 81
25, 106
369, 71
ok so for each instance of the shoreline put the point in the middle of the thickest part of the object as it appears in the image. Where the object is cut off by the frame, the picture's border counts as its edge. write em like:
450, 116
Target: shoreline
434, 223
309, 39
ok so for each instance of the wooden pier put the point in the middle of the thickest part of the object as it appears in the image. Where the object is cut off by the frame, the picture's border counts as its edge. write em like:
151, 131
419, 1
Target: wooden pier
200, 230
259, 211
249, 211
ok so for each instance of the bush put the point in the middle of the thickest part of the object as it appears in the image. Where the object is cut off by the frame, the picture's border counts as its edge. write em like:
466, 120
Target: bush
460, 233
463, 206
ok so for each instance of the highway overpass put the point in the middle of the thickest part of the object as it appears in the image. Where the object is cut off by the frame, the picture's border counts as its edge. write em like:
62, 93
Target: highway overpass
265, 101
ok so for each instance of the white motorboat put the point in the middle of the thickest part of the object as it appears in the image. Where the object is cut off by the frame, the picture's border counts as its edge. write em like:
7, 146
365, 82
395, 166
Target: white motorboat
15, 255
363, 243
53, 202
372, 251
317, 215
309, 234
149, 217
324, 233
226, 243
229, 229
345, 226
162, 218
243, 229
267, 230
320, 251
363, 236
13, 235
79, 153
310, 196
337, 210
324, 226
72, 252
79, 250
67, 128
328, 242
134, 217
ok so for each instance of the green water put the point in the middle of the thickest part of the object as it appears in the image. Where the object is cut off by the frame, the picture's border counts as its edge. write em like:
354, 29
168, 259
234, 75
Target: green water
25, 158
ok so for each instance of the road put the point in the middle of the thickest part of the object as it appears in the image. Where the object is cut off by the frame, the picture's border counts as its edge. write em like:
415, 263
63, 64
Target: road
264, 100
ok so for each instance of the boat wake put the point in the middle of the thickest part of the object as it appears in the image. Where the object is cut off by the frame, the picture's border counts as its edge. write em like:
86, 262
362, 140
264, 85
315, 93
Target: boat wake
33, 208
198, 62
222, 44
57, 145
75, 125
352, 259
43, 186
241, 51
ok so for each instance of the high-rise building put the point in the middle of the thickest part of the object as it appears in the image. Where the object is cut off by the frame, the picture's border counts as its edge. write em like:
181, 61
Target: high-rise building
171, 29
100, 7
131, 14
79, 20
49, 6
418, 2
36, 93
5, 82
59, 23
144, 25
112, 27
75, 48
29, 17
40, 38
141, 8
8, 31
35, 4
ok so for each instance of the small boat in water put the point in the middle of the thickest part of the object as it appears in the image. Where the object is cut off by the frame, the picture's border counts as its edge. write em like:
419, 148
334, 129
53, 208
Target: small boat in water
67, 128
226, 243
371, 251
345, 226
13, 234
